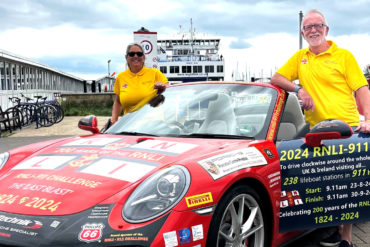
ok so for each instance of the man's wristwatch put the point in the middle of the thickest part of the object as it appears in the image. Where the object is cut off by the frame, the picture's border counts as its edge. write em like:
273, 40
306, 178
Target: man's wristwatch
297, 88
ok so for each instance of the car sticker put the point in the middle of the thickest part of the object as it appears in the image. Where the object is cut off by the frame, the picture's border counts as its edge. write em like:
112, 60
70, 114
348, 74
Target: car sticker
45, 162
197, 232
91, 232
184, 235
326, 185
170, 239
197, 200
226, 163
163, 147
122, 169
275, 179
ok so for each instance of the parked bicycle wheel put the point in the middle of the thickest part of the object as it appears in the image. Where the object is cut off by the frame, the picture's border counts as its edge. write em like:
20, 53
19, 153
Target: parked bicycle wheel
46, 115
15, 117
26, 114
60, 111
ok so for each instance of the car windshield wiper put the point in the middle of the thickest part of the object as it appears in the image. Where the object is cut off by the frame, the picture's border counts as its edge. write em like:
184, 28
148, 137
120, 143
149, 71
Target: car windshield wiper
221, 136
132, 133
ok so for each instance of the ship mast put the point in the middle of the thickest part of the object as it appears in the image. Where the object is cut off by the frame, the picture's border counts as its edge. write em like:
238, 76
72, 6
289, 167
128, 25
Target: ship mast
191, 39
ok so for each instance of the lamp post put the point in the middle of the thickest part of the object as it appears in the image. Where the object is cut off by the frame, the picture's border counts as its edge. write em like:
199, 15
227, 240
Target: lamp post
110, 86
108, 67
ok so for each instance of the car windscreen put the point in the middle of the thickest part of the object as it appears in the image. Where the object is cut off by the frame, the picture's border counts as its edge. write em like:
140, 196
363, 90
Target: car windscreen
204, 110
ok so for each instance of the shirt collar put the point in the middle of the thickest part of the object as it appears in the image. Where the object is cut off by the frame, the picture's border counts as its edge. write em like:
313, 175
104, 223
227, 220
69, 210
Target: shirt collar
333, 47
140, 73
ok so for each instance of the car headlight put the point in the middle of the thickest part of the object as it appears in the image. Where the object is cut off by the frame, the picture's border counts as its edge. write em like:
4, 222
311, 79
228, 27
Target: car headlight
3, 159
157, 194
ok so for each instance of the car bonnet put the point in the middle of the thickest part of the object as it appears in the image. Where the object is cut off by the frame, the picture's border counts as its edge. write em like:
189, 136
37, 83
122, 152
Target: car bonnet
78, 173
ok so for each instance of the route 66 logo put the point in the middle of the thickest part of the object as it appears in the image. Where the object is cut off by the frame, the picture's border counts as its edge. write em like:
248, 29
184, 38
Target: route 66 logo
91, 232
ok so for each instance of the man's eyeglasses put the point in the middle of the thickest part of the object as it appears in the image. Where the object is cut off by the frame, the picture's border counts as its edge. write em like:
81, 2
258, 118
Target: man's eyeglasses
132, 54
316, 26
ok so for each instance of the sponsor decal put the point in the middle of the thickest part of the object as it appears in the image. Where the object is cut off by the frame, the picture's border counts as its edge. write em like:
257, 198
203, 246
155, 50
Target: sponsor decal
274, 179
197, 232
55, 224
91, 232
165, 147
184, 236
226, 163
99, 212
290, 199
170, 239
37, 224
121, 237
268, 153
197, 200
25, 223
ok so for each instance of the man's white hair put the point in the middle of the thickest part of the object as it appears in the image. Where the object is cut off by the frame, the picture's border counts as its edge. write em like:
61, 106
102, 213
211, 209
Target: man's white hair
313, 11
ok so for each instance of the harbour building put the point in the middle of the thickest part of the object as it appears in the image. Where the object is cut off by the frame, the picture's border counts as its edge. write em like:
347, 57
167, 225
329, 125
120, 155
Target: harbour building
20, 75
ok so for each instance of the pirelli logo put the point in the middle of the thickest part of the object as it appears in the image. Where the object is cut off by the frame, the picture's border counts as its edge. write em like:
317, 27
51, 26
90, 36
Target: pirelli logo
197, 200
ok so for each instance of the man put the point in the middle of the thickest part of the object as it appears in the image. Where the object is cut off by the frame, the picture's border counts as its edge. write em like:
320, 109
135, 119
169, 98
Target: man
330, 83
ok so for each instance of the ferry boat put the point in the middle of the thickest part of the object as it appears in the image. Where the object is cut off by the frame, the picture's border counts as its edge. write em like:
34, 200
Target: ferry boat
190, 57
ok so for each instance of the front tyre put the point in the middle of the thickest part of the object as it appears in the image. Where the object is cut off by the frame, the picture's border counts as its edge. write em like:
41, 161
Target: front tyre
238, 220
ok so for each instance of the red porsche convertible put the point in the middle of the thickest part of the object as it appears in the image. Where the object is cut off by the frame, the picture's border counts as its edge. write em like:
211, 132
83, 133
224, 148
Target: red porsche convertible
201, 169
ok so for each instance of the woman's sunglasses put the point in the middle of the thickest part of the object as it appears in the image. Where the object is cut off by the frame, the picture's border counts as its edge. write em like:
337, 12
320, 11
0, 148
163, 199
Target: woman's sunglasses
132, 54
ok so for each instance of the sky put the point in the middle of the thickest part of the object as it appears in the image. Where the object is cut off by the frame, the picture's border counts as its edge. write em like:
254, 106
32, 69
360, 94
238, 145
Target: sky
257, 37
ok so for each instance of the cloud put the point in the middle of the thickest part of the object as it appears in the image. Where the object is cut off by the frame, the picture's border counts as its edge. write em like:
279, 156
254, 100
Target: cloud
239, 44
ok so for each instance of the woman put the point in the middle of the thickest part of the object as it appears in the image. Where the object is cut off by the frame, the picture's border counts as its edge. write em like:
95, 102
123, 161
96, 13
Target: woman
138, 85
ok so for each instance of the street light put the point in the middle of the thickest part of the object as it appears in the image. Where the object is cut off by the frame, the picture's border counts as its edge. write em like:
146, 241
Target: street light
108, 67
110, 86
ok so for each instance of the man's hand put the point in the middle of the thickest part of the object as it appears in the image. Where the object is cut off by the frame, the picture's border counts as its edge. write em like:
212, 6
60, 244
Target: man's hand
307, 101
160, 87
364, 126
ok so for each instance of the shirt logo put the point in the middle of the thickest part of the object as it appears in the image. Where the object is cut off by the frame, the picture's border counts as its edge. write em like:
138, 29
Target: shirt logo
124, 86
304, 61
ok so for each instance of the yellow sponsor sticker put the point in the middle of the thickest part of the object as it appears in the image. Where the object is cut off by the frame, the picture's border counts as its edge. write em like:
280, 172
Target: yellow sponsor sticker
197, 200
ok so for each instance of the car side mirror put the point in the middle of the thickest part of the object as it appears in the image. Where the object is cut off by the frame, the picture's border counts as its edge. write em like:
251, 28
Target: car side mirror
89, 123
328, 129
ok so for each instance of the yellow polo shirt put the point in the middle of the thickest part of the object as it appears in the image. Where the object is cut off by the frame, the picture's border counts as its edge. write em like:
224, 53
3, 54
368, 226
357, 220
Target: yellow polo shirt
135, 90
330, 78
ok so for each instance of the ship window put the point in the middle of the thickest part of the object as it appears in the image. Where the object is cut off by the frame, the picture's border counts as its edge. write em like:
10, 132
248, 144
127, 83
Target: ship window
186, 69
174, 69
220, 68
210, 69
163, 69
197, 69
